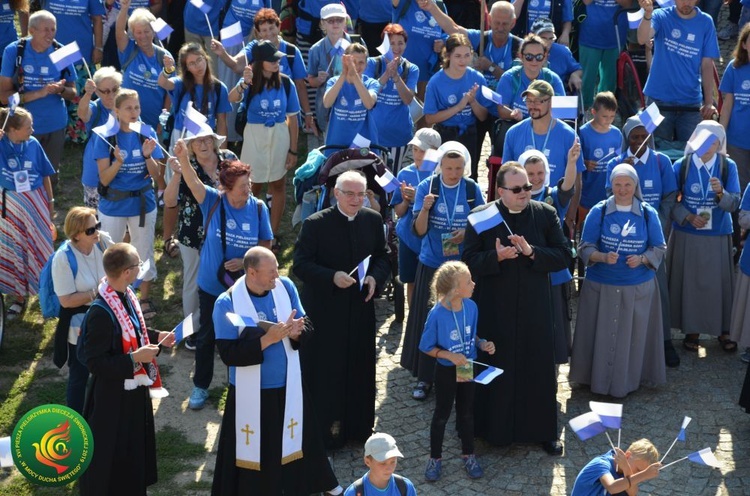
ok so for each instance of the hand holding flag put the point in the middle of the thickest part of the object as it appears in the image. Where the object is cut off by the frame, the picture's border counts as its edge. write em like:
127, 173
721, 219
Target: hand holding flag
109, 128
13, 101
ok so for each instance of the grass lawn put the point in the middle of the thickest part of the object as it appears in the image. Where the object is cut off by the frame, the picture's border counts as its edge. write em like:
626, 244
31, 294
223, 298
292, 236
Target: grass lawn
29, 378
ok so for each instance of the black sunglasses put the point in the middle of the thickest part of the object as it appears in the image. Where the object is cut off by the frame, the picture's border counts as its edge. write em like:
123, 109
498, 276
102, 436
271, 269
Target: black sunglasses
517, 189
530, 56
91, 230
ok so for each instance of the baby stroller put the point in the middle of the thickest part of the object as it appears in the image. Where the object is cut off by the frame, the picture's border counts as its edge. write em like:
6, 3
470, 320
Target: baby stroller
371, 164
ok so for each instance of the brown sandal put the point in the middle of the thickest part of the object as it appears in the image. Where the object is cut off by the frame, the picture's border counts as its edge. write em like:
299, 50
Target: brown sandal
727, 344
691, 344
171, 247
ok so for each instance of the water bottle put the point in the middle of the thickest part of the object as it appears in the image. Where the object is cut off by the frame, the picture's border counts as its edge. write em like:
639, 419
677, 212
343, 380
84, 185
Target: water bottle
163, 117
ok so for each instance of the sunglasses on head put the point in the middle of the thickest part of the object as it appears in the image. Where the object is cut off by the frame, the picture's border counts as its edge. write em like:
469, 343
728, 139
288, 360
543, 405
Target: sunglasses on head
89, 231
530, 56
517, 189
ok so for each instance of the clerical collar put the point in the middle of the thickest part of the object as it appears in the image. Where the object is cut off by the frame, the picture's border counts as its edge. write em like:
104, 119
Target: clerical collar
514, 211
642, 159
350, 218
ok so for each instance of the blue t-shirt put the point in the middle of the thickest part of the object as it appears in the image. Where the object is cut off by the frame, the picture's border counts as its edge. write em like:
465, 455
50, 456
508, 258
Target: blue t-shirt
510, 88
271, 106
243, 11
390, 490
8, 32
597, 30
49, 113
74, 22
375, 11
349, 116
606, 235
422, 31
28, 156
501, 56
736, 81
195, 20
132, 176
449, 212
601, 147
745, 256
679, 47
587, 483
244, 228
99, 116
655, 176
319, 59
444, 92
296, 71
142, 75
452, 331
562, 63
312, 8
543, 8
551, 196
390, 109
273, 368
412, 177
178, 95
555, 145
697, 193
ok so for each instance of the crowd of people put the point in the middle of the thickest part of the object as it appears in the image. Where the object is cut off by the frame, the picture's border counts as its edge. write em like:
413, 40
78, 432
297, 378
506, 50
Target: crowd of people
163, 126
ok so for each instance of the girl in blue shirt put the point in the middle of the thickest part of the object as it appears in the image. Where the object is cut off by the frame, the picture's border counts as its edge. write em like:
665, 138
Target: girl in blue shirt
701, 300
453, 103
618, 342
450, 336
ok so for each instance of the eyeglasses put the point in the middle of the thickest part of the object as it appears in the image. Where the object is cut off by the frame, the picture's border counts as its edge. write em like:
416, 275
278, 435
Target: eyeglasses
108, 92
352, 194
206, 139
530, 56
517, 189
335, 20
89, 231
136, 266
531, 101
196, 63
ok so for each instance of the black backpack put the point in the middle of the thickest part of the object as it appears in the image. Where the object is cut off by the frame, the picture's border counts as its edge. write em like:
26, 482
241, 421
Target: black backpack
241, 120
359, 485
18, 76
471, 190
723, 171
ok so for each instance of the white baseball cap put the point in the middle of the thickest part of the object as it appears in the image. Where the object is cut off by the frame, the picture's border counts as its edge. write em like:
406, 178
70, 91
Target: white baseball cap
382, 446
333, 10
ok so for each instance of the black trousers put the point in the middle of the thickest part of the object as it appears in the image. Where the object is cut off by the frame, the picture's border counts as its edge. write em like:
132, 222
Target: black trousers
447, 390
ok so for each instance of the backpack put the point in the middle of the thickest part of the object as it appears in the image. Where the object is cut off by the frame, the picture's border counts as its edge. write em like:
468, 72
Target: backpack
515, 44
515, 72
48, 300
723, 171
359, 485
241, 120
18, 76
160, 53
471, 190
405, 67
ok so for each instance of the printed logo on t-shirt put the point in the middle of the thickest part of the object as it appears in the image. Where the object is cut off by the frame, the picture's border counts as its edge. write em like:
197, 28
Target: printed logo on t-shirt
136, 153
343, 102
12, 163
357, 102
746, 85
614, 229
262, 316
6, 6
695, 188
452, 99
454, 335
459, 209
245, 226
142, 67
420, 17
676, 33
242, 2
28, 69
534, 3
442, 208
598, 153
44, 70
648, 183
264, 104
124, 154
691, 37
231, 224
277, 103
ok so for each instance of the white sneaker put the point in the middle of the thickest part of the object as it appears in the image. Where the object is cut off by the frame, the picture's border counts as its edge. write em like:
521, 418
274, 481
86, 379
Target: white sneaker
728, 32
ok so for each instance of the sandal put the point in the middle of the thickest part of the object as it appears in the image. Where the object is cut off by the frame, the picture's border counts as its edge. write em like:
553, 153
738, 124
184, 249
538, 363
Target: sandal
148, 309
727, 344
691, 344
421, 391
15, 309
171, 247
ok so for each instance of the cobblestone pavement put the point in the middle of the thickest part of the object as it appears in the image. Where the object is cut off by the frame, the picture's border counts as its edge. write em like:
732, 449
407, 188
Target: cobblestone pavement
704, 387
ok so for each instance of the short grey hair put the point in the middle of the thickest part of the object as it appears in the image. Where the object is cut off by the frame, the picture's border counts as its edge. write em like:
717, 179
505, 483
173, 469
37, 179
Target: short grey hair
40, 16
503, 6
353, 176
108, 72
140, 16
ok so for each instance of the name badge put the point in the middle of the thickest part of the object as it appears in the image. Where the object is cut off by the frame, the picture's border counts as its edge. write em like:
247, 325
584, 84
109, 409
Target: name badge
705, 213
21, 180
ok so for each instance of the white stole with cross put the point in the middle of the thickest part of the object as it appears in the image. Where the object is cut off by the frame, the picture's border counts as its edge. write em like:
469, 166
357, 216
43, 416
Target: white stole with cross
247, 384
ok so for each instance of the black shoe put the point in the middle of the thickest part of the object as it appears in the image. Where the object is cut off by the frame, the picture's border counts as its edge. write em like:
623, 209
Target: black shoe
671, 358
553, 448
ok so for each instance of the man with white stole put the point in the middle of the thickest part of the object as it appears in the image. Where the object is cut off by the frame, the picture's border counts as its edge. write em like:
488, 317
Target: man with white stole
269, 444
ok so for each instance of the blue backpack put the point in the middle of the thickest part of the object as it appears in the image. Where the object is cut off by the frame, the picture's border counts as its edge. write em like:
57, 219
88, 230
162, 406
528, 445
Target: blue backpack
48, 300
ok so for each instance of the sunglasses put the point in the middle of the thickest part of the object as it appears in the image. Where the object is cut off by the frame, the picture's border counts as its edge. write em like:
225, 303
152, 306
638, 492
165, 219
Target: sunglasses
530, 56
91, 230
517, 189
109, 92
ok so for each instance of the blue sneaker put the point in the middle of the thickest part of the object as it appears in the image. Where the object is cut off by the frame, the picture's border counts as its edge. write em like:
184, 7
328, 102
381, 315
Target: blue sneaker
197, 398
472, 467
434, 467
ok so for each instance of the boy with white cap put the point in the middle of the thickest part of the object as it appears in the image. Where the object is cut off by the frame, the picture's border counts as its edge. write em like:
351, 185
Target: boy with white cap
380, 457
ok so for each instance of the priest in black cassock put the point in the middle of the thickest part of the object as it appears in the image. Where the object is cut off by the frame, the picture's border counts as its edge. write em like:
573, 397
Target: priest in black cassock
511, 263
339, 363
